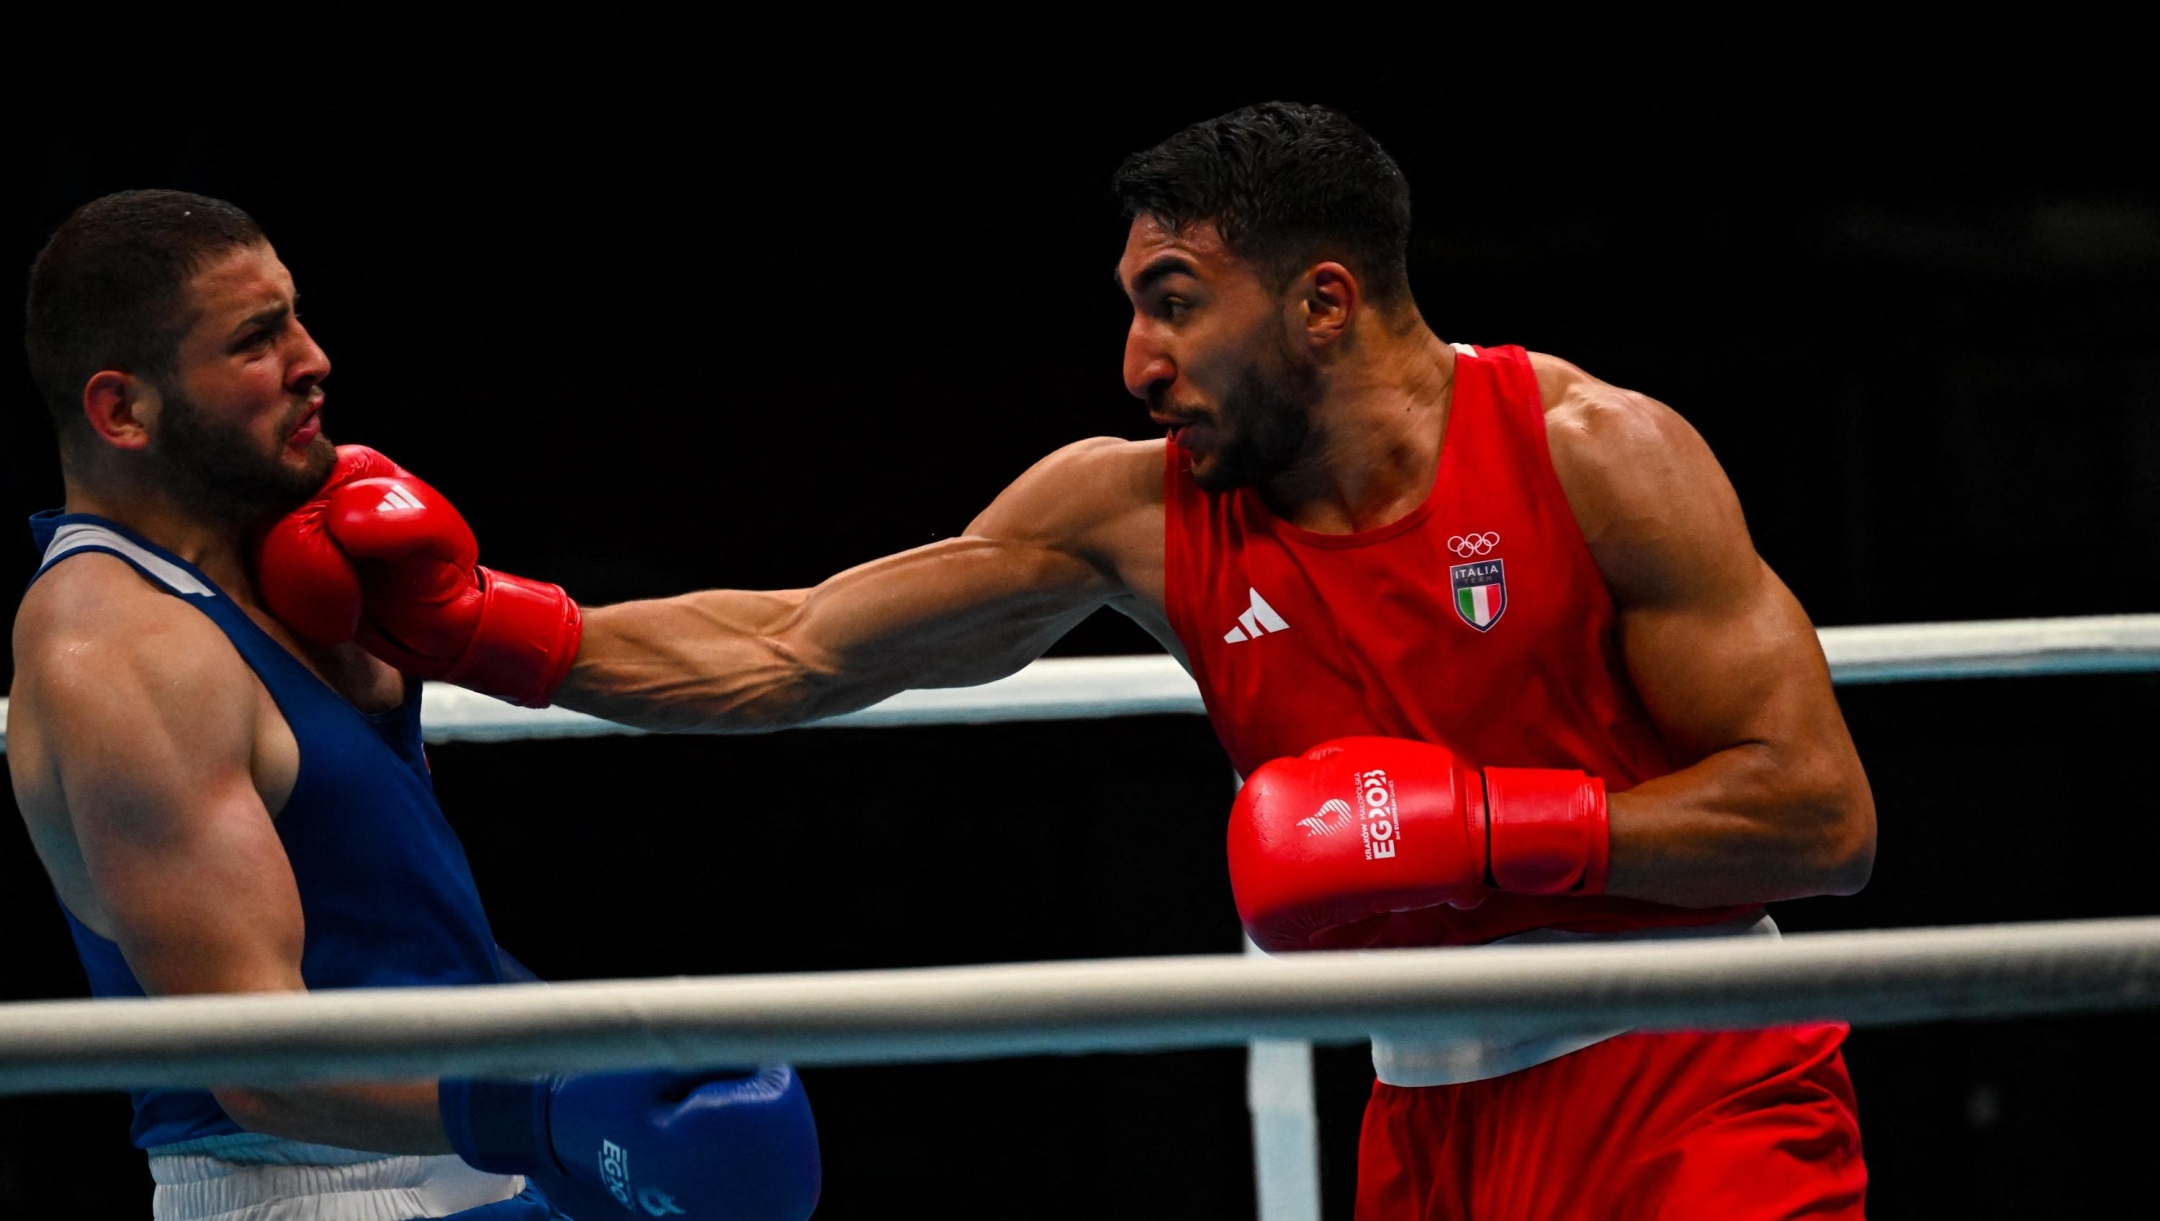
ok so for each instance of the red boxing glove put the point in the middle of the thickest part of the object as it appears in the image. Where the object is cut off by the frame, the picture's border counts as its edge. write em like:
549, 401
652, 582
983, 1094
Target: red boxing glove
1360, 827
304, 578
433, 611
426, 606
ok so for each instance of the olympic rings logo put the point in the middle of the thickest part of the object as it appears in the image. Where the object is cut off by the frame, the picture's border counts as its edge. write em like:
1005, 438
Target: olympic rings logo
1467, 545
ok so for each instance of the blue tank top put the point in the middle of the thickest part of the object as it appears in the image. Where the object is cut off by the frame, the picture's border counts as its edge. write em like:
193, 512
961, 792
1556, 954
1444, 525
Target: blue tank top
384, 886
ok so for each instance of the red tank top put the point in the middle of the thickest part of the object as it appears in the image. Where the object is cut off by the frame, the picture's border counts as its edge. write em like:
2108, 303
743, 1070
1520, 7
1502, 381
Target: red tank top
1478, 621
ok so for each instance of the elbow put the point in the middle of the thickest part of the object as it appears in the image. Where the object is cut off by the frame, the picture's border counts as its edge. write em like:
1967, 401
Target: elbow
254, 1110
1849, 871
786, 685
1845, 852
759, 688
800, 686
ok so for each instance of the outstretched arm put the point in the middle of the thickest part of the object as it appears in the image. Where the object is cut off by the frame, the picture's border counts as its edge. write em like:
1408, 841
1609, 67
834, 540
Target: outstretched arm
1047, 553
1772, 803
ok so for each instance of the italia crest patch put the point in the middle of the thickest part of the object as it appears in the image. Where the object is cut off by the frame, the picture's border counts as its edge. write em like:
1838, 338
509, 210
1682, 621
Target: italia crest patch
1480, 592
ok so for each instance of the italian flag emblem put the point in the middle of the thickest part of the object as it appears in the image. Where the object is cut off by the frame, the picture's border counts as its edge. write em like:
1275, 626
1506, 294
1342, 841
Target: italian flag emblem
1480, 592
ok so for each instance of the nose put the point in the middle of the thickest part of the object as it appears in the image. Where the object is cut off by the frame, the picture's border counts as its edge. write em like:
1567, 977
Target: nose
310, 364
1148, 369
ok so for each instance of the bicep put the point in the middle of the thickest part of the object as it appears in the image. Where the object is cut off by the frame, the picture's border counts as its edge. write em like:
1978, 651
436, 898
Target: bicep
188, 874
973, 608
1719, 668
956, 612
1716, 645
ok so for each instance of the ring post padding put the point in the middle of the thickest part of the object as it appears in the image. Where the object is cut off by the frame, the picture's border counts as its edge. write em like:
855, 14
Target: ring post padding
1285, 1125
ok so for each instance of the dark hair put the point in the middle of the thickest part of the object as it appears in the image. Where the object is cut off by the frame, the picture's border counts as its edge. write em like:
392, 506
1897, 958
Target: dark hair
1286, 184
108, 290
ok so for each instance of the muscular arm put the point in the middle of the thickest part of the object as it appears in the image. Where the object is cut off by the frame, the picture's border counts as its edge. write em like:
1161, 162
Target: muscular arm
1772, 803
1050, 550
145, 726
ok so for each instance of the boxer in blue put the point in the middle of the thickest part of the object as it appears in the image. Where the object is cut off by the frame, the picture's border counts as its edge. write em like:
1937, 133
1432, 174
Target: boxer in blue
225, 808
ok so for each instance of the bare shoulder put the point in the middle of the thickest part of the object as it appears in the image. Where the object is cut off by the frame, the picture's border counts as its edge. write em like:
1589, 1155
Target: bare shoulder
97, 605
1077, 491
1105, 473
93, 638
1644, 486
1605, 437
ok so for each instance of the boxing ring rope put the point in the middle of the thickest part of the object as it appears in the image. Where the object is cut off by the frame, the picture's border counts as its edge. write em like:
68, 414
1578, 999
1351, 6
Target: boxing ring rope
1079, 688
1127, 1005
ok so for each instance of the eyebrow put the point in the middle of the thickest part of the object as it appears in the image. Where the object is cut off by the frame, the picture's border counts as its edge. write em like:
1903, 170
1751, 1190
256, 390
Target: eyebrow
266, 317
1162, 268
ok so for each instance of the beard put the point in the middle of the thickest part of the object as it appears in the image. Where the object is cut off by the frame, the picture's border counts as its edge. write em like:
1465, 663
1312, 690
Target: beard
224, 474
1267, 421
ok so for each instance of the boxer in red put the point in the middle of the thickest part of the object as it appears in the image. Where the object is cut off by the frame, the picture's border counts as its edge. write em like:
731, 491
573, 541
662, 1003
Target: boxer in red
1487, 636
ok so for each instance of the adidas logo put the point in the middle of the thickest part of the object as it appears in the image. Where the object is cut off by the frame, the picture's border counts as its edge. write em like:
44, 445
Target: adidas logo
1258, 620
1335, 808
398, 498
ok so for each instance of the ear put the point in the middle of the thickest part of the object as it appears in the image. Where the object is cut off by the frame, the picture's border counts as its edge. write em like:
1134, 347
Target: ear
1328, 298
120, 408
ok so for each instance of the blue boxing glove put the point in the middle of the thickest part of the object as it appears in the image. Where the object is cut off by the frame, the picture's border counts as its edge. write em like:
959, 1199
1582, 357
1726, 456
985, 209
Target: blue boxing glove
698, 1146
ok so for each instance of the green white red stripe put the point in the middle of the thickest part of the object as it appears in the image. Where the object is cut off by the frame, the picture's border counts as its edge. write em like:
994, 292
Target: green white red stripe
1480, 604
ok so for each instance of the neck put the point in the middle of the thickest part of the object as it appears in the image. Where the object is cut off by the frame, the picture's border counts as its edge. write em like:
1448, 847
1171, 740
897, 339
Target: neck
1376, 433
214, 546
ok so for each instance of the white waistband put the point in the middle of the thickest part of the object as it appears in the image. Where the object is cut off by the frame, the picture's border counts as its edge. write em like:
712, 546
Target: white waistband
1455, 1061
265, 1181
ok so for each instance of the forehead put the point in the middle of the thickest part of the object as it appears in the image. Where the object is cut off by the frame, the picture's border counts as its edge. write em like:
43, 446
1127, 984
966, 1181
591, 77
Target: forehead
1150, 241
241, 278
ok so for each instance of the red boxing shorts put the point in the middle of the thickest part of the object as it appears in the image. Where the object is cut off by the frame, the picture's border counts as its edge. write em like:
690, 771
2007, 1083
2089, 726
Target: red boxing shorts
1732, 1126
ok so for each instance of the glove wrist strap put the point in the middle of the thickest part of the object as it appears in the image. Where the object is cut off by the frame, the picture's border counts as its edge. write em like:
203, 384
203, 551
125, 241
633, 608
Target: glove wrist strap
1547, 830
526, 640
498, 1126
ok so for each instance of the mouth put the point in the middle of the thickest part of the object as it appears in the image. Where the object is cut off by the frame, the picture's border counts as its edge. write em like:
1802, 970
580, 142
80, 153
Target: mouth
1186, 432
309, 428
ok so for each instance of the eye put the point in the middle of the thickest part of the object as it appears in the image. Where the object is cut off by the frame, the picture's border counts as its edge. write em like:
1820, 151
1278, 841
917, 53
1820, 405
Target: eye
1176, 307
257, 340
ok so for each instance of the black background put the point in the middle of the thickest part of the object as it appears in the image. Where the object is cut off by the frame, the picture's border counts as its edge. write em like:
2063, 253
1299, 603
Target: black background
663, 325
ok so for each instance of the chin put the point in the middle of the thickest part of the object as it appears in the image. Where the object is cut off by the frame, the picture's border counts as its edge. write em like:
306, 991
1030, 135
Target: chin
319, 456
1215, 475
295, 477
